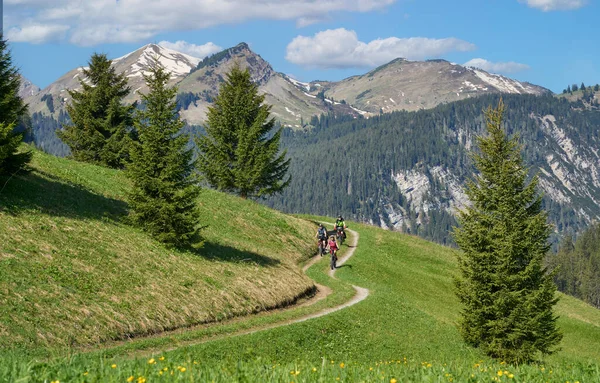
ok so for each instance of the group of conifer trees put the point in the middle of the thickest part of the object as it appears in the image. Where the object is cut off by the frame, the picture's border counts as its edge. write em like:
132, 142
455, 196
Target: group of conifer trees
238, 154
578, 266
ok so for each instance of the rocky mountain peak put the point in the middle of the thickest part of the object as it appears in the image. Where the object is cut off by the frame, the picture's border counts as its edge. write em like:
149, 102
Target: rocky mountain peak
27, 88
260, 70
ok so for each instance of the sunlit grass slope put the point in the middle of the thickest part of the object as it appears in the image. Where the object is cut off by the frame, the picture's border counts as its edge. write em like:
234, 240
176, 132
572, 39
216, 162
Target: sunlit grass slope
74, 273
405, 331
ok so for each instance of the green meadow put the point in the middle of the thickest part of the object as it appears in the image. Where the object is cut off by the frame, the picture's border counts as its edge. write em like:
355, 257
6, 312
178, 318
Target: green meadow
405, 331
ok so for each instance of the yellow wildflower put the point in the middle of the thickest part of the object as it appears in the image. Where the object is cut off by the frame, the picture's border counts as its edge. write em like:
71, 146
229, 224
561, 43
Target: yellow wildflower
113, 365
342, 365
314, 369
499, 372
130, 379
151, 361
161, 358
85, 373
160, 372
511, 376
370, 368
141, 379
393, 380
182, 369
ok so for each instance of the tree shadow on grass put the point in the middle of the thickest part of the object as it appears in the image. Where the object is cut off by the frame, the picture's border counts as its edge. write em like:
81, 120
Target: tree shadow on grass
220, 252
53, 196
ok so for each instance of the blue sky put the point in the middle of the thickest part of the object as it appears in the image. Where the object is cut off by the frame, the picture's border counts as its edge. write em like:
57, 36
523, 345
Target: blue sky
546, 42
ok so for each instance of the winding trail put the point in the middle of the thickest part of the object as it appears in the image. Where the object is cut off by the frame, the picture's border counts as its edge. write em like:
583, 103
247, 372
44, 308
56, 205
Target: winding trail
361, 294
323, 292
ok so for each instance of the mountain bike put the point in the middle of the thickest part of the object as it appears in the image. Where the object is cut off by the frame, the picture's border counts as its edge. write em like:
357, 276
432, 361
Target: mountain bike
334, 259
321, 249
340, 235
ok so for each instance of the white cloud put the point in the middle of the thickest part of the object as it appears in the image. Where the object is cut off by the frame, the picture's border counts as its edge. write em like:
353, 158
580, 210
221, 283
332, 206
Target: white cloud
200, 51
340, 48
554, 5
92, 22
488, 66
36, 33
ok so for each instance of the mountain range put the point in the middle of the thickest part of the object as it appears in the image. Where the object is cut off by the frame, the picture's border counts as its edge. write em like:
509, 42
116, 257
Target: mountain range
398, 85
400, 134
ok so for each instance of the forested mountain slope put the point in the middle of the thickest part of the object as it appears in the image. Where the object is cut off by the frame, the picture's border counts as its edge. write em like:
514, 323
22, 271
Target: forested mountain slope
405, 170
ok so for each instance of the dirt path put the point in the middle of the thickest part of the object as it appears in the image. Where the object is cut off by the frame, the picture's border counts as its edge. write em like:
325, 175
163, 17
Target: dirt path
361, 294
323, 292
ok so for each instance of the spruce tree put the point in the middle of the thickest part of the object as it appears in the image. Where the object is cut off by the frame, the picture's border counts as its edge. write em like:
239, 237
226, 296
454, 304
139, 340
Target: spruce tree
12, 111
507, 293
100, 131
237, 154
163, 199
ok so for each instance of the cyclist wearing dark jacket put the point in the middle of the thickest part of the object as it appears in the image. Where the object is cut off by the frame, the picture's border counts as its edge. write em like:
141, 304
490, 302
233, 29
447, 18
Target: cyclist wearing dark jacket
322, 235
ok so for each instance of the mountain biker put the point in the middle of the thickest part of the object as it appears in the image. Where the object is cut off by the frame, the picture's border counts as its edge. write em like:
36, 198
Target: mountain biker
341, 224
322, 236
333, 248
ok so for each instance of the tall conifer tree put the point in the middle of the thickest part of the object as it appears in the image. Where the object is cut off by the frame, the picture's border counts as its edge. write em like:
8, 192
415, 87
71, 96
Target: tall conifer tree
12, 110
237, 154
507, 293
163, 197
101, 124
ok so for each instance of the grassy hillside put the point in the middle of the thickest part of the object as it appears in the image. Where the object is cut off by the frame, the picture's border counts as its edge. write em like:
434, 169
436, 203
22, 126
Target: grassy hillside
404, 331
73, 273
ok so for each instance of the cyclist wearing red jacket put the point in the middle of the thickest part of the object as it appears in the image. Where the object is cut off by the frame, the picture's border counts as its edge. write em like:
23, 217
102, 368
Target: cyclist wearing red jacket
333, 248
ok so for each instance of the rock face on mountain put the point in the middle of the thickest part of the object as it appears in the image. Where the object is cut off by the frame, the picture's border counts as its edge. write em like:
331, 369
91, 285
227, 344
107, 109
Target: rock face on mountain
415, 85
27, 88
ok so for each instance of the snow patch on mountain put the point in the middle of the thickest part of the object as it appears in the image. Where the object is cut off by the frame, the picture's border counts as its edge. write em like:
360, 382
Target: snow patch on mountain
299, 84
501, 83
179, 64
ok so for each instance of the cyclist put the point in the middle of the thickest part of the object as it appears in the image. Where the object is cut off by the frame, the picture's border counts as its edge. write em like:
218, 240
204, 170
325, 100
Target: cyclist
322, 237
340, 224
333, 248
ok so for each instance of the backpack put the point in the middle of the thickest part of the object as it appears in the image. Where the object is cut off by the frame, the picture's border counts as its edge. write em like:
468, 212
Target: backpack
322, 232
